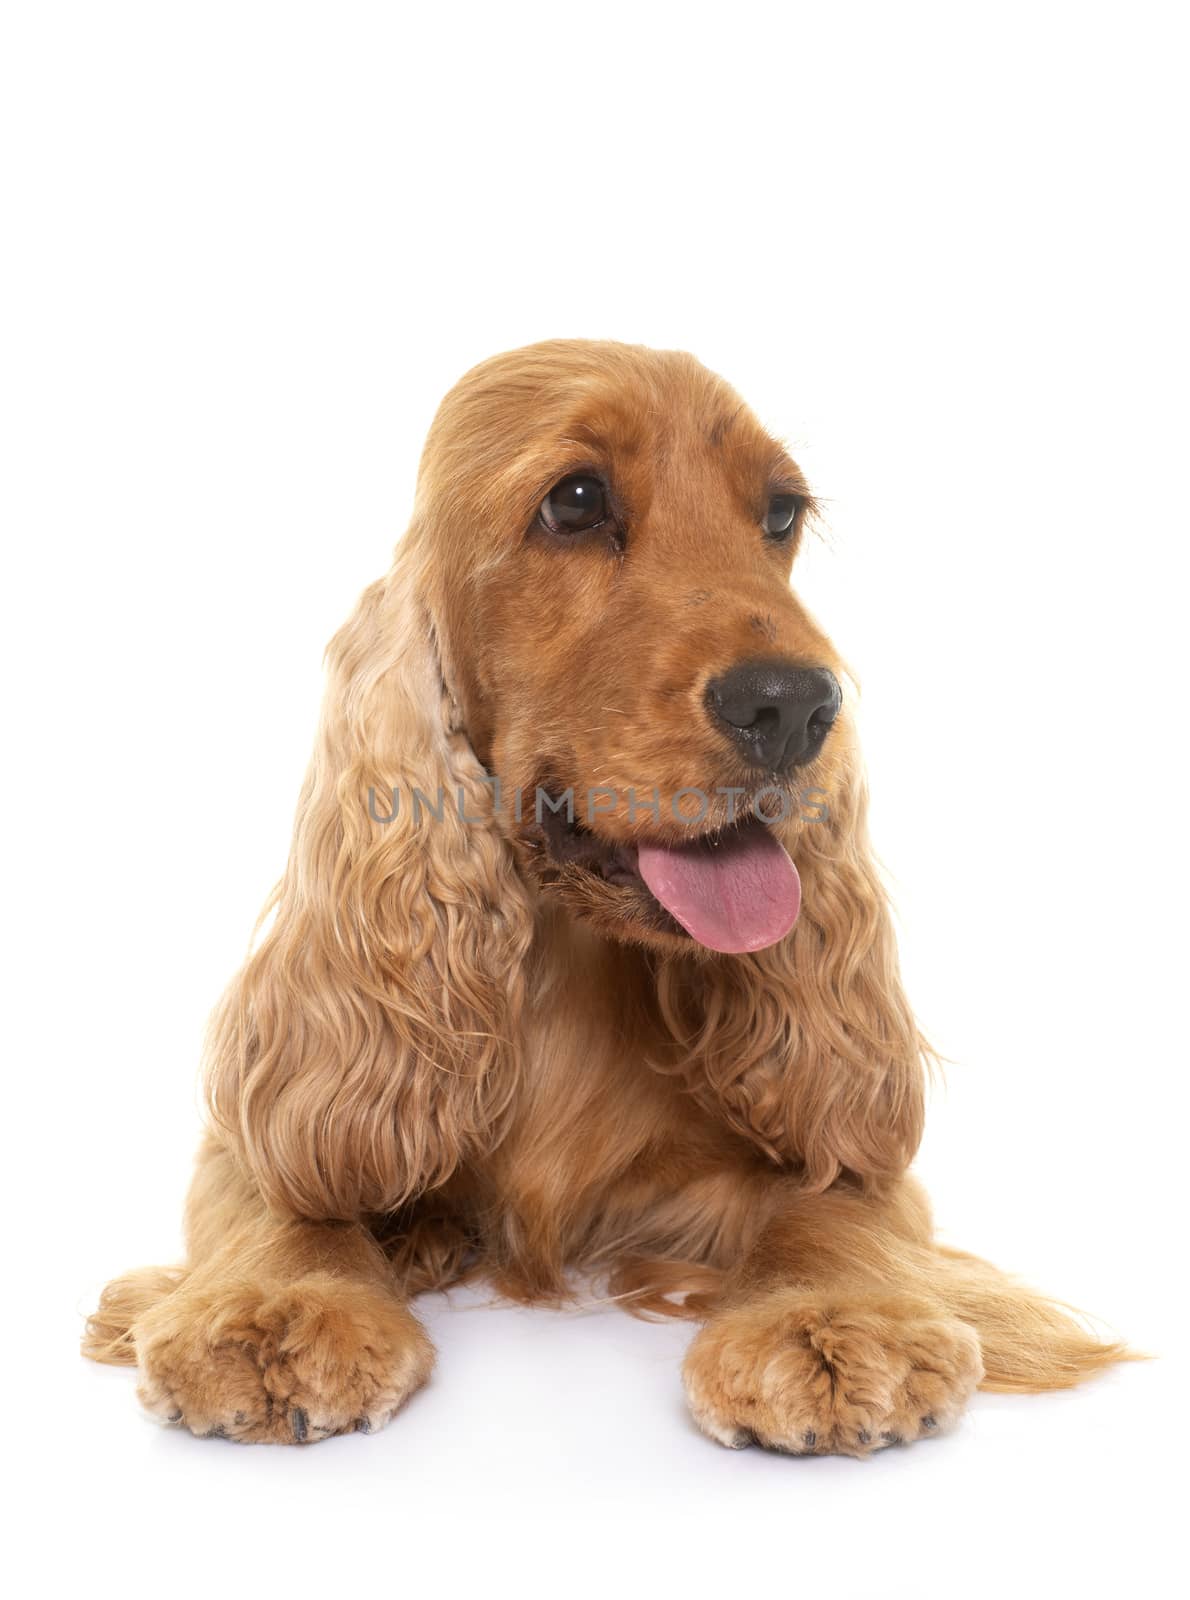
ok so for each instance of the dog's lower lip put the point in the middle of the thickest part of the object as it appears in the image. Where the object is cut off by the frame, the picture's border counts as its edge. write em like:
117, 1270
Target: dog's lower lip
621, 867
569, 844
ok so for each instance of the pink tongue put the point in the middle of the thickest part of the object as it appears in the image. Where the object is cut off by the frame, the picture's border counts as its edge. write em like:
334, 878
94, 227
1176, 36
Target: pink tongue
742, 893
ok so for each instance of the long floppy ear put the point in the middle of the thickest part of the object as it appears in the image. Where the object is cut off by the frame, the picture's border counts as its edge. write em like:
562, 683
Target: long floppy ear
363, 1051
809, 1048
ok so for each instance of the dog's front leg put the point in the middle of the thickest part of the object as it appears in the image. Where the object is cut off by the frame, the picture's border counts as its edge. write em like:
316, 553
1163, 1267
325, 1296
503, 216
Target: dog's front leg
832, 1335
277, 1330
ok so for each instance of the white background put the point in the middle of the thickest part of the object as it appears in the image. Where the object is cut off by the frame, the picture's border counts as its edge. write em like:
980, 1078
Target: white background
941, 250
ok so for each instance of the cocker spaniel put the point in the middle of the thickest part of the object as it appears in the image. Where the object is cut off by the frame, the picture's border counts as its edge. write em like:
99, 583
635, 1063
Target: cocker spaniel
581, 965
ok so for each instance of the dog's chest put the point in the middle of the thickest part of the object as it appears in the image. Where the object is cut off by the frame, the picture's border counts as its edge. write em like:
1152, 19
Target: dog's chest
600, 1141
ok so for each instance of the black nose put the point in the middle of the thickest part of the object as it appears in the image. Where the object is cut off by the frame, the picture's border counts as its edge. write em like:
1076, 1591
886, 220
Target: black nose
778, 714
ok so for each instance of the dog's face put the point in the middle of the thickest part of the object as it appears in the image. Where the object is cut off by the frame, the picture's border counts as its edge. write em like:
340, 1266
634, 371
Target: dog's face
618, 626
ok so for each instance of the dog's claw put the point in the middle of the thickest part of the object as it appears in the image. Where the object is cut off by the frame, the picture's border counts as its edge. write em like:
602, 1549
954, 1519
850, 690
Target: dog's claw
362, 1425
300, 1424
809, 1439
929, 1422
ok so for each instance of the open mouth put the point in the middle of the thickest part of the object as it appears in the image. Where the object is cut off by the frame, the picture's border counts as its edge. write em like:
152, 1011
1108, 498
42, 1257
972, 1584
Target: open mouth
735, 890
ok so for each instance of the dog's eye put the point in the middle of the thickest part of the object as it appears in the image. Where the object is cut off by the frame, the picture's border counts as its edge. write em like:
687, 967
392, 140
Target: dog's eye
575, 505
780, 516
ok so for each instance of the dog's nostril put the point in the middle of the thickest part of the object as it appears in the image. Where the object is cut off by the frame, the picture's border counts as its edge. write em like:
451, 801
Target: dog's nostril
777, 713
766, 721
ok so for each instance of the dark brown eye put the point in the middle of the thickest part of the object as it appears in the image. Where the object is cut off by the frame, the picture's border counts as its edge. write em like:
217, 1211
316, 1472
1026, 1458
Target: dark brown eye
575, 505
780, 516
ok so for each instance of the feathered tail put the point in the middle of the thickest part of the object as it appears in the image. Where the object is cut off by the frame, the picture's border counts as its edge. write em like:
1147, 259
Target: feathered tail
108, 1336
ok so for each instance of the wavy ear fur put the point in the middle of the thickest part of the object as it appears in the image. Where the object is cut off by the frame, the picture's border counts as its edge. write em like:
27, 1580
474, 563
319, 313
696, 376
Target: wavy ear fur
364, 1049
809, 1048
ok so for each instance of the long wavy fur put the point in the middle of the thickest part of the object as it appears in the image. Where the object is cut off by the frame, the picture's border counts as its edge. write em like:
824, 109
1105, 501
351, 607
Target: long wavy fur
367, 1047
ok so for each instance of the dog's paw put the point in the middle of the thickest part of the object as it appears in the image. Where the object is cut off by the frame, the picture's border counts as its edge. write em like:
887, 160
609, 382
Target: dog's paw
812, 1375
281, 1365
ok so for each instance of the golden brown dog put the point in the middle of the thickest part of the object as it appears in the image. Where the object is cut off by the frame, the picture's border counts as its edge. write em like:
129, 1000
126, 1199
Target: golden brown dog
660, 1037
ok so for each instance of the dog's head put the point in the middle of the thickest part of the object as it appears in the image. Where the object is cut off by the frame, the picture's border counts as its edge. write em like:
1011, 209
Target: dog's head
605, 535
592, 606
